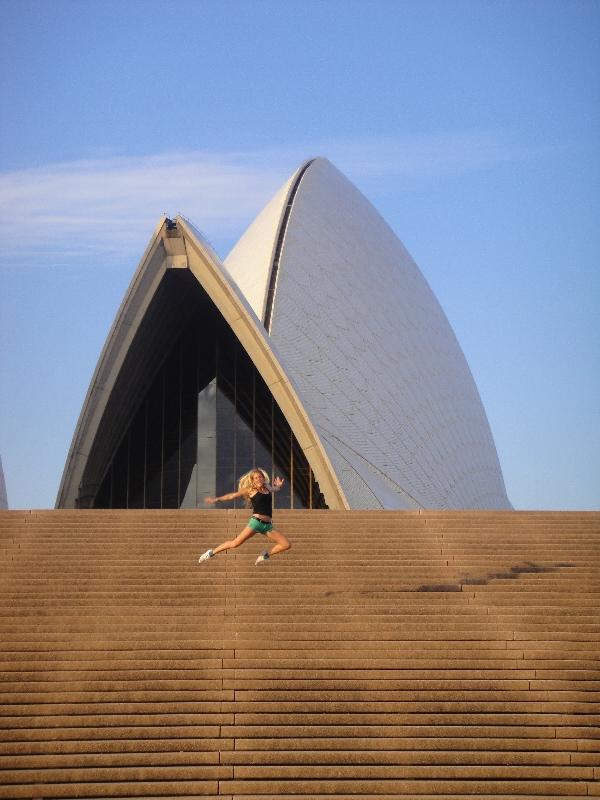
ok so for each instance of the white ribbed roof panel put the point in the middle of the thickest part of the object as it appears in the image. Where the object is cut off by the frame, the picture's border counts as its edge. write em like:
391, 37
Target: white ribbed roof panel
374, 360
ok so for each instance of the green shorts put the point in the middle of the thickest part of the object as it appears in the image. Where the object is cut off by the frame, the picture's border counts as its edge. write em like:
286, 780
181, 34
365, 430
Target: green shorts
258, 526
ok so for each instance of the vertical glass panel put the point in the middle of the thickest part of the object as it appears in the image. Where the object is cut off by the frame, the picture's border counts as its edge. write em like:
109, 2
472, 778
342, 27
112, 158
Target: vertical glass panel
225, 456
103, 498
243, 450
188, 488
172, 410
300, 482
154, 445
137, 460
206, 469
263, 425
244, 399
119, 476
282, 457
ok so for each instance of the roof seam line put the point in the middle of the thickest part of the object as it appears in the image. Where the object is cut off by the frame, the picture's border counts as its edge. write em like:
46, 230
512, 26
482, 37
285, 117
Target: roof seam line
279, 247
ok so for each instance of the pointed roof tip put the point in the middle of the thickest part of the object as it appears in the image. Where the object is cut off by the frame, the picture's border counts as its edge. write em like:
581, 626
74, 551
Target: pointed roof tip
314, 160
322, 170
188, 225
250, 260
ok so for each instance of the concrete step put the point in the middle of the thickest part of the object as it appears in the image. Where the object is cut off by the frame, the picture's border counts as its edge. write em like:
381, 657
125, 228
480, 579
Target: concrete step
392, 654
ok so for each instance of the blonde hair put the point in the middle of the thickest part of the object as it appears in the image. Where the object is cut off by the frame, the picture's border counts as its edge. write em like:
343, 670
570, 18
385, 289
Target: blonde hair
245, 482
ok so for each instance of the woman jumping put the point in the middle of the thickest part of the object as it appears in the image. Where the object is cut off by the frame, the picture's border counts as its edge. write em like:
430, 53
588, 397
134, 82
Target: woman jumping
256, 490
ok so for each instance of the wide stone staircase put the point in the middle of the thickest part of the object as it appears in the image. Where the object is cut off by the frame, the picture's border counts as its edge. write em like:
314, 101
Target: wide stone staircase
387, 655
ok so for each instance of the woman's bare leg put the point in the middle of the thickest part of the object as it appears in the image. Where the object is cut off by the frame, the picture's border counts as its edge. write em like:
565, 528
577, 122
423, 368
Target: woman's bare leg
233, 543
282, 543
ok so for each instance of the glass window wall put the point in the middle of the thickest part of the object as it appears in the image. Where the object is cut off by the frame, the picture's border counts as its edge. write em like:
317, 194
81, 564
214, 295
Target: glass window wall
206, 419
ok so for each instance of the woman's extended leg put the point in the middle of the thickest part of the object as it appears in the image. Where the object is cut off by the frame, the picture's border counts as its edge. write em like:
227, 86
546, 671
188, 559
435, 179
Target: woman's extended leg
229, 545
282, 543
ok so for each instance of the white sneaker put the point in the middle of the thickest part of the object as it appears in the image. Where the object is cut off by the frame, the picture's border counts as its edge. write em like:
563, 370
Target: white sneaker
205, 556
262, 558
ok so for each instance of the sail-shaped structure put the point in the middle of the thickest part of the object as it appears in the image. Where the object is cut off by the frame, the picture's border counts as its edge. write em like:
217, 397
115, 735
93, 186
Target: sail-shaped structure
316, 350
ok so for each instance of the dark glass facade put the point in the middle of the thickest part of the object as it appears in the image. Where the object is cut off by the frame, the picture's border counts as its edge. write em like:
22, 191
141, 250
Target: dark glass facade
206, 418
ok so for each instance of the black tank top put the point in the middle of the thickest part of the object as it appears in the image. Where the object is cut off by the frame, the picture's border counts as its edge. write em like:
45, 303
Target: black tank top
262, 504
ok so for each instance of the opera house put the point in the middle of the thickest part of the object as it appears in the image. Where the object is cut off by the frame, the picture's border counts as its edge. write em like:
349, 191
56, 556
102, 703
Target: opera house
425, 652
316, 350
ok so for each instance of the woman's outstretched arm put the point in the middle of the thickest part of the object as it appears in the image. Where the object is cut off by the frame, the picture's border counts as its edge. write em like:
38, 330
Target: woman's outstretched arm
231, 496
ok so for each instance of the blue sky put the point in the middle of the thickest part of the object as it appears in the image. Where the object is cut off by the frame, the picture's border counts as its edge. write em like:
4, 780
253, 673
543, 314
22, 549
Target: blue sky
472, 126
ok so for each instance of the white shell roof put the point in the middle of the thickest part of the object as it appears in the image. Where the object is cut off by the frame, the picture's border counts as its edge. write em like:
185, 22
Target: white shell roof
372, 357
359, 355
